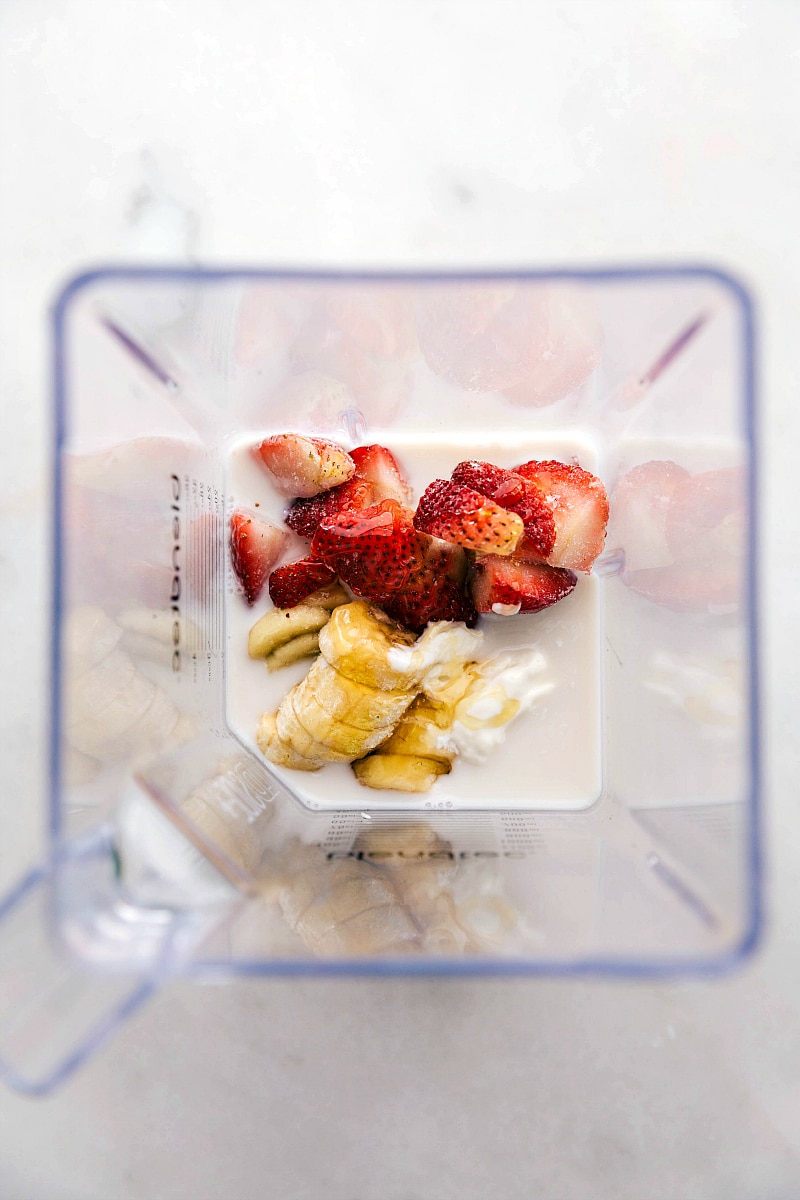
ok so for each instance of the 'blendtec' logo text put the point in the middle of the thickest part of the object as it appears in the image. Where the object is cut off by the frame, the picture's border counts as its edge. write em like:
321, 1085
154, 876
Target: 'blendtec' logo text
175, 593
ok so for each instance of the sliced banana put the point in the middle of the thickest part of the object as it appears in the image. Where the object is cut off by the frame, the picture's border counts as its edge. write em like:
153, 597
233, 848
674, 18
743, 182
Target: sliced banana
345, 700
294, 734
357, 641
277, 751
330, 596
399, 772
304, 646
419, 733
331, 717
282, 625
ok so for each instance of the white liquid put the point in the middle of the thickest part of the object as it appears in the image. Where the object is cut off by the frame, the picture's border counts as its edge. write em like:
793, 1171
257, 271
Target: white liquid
550, 758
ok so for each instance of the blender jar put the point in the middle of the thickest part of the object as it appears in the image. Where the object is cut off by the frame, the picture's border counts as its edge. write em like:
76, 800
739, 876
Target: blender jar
615, 828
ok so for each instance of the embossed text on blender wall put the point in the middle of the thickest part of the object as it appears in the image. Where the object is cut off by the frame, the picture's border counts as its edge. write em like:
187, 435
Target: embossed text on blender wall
175, 592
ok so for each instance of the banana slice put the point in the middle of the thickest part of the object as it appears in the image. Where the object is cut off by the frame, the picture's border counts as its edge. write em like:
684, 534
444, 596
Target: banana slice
338, 735
358, 641
399, 772
282, 625
419, 733
276, 750
304, 646
330, 596
345, 700
294, 734
344, 708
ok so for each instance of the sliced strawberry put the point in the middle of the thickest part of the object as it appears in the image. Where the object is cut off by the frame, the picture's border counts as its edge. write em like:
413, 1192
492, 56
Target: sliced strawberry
506, 586
379, 467
379, 554
306, 513
377, 477
294, 581
578, 502
459, 514
255, 548
518, 495
304, 466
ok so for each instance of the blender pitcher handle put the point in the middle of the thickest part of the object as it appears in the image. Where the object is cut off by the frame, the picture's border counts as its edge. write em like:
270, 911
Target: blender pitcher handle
77, 958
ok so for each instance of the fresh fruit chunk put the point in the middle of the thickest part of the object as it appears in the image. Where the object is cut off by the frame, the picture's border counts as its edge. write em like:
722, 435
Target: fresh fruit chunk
295, 581
639, 506
518, 495
255, 548
328, 716
381, 556
359, 704
578, 502
305, 514
337, 732
506, 586
399, 772
304, 466
419, 732
459, 514
381, 470
271, 746
358, 641
377, 477
370, 547
303, 646
281, 625
330, 597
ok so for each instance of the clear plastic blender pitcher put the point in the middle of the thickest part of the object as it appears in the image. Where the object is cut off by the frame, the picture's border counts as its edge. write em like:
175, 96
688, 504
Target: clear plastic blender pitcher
613, 831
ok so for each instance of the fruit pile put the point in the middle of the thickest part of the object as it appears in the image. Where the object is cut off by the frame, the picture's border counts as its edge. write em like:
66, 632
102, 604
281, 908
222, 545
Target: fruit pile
487, 540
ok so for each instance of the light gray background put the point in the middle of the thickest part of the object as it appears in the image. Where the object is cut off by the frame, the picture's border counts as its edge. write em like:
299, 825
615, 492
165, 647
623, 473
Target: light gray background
407, 133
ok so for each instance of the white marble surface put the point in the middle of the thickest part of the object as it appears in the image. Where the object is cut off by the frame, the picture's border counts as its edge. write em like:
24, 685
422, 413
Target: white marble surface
424, 133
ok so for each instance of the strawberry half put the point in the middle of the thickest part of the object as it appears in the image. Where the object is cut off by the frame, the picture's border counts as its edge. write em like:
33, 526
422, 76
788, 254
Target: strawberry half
377, 477
518, 495
378, 467
379, 554
459, 514
305, 514
507, 586
304, 466
579, 504
255, 548
294, 581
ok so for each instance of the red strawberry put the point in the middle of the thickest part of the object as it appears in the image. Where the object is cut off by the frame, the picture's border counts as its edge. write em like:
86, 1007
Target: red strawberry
459, 514
255, 548
379, 467
379, 554
506, 586
518, 495
377, 477
578, 502
305, 514
304, 466
294, 581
